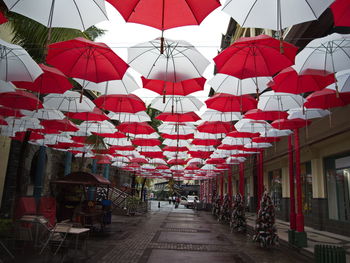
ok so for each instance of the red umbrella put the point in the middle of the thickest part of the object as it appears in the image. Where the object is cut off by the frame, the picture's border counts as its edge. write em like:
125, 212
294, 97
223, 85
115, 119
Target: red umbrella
289, 81
95, 115
266, 139
162, 167
341, 13
138, 160
229, 103
80, 139
8, 112
61, 125
164, 15
177, 136
146, 142
103, 159
175, 149
215, 127
51, 81
178, 117
290, 124
326, 99
200, 154
65, 145
230, 147
152, 154
257, 114
46, 131
20, 99
85, 59
192, 167
2, 121
122, 148
215, 161
3, 18
135, 128
258, 56
110, 135
182, 88
120, 103
206, 142
177, 161
33, 136
237, 134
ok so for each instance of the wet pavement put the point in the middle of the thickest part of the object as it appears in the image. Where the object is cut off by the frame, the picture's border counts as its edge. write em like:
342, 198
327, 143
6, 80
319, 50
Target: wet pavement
171, 235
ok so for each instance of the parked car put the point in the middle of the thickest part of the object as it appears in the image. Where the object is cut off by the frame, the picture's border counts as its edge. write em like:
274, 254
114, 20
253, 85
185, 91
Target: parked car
183, 201
191, 200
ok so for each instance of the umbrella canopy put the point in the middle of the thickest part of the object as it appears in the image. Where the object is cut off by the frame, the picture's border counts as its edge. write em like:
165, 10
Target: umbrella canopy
275, 14
341, 13
85, 59
289, 81
82, 13
9, 112
6, 87
343, 82
177, 136
140, 116
176, 143
326, 55
257, 114
44, 114
276, 133
97, 127
146, 142
255, 57
3, 18
181, 88
229, 103
178, 117
51, 81
61, 125
135, 128
307, 114
327, 99
176, 129
223, 83
20, 99
69, 101
216, 127
164, 15
126, 85
180, 60
206, 142
2, 121
287, 124
95, 115
16, 64
159, 161
110, 135
237, 134
279, 101
214, 115
120, 103
177, 104
252, 126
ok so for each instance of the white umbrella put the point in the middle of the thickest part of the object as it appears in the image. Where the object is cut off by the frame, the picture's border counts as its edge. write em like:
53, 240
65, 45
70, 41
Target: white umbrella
175, 129
178, 155
258, 145
68, 101
248, 125
328, 54
274, 14
202, 148
235, 160
148, 149
119, 164
6, 86
140, 116
275, 133
196, 161
176, 168
343, 82
16, 64
236, 141
207, 136
121, 159
126, 85
223, 83
45, 114
307, 114
178, 143
180, 60
177, 104
22, 124
98, 126
157, 161
207, 167
279, 101
214, 115
77, 14
118, 141
153, 135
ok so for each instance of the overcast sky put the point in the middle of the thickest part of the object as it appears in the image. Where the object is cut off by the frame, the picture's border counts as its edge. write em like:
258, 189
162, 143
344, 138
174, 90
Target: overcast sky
206, 38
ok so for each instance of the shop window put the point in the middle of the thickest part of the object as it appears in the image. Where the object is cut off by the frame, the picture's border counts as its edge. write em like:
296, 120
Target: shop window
306, 184
275, 188
338, 187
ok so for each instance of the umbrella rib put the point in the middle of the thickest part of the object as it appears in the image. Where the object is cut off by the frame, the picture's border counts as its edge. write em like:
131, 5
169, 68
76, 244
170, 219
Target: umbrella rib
101, 9
192, 12
81, 18
19, 57
250, 10
313, 12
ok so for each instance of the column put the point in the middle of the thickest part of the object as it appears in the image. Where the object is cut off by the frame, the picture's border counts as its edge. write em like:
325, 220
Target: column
39, 173
229, 182
241, 179
68, 163
292, 215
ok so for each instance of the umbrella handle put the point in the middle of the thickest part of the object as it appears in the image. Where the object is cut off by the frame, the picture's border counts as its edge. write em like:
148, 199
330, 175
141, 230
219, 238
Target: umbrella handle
281, 44
162, 45
81, 95
164, 96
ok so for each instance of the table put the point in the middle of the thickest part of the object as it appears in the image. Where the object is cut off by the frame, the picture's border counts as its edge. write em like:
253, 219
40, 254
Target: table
37, 221
89, 218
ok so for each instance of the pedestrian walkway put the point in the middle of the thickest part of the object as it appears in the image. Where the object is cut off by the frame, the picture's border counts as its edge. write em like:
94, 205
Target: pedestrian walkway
314, 236
182, 235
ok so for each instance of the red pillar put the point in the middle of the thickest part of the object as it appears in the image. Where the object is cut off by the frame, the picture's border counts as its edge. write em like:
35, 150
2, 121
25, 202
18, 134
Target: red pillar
222, 188
300, 216
292, 215
209, 189
229, 182
260, 173
241, 179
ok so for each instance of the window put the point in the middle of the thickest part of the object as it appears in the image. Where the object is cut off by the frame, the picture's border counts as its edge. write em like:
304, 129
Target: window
275, 185
306, 184
338, 187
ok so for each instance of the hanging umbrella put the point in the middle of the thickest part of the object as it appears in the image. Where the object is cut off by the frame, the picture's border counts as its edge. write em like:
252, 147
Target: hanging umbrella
20, 99
341, 13
177, 104
181, 88
2, 121
3, 18
195, 161
82, 14
153, 135
126, 85
259, 56
95, 115
140, 116
252, 126
135, 128
223, 83
257, 114
69, 101
32, 137
16, 64
146, 142
177, 162
178, 117
176, 129
51, 81
343, 82
256, 145
175, 149
138, 160
327, 99
275, 14
6, 87
229, 103
206, 142
307, 114
326, 55
44, 114
158, 161
180, 61
120, 103
22, 124
289, 81
279, 101
237, 134
206, 136
97, 127
276, 133
176, 143
61, 125
177, 136
216, 127
85, 59
214, 115
286, 124
118, 142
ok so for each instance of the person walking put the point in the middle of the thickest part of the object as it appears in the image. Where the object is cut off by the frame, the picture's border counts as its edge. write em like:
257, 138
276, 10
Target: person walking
174, 199
177, 201
169, 198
